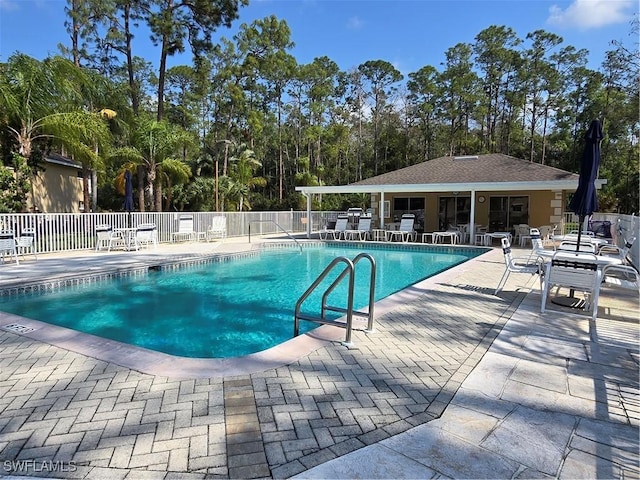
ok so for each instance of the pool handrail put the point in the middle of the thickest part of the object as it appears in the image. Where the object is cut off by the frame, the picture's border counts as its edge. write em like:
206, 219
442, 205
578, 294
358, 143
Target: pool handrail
277, 225
322, 319
372, 296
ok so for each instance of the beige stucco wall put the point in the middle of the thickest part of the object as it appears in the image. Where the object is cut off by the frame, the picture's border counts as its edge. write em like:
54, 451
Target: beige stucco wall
57, 190
545, 207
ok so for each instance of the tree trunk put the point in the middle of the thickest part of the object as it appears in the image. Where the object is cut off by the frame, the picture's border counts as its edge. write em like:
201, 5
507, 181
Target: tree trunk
94, 190
161, 79
85, 189
158, 195
140, 173
135, 99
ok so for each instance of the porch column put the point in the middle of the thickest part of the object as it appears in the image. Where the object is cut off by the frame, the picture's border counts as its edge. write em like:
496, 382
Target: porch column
381, 209
472, 219
309, 222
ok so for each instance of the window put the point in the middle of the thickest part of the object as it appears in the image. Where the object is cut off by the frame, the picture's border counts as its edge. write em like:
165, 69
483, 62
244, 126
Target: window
415, 205
505, 212
387, 208
453, 211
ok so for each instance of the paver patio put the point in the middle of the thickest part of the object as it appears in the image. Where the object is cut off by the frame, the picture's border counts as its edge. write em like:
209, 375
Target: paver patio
96, 419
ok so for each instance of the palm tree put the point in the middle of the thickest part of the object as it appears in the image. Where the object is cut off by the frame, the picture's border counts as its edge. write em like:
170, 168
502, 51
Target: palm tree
41, 104
154, 143
242, 176
173, 172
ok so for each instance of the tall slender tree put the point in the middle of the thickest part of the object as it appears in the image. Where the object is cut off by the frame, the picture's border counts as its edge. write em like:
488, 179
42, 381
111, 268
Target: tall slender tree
381, 77
174, 23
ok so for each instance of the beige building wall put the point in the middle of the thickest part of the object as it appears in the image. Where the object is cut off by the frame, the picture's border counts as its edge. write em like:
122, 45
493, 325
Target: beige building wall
545, 207
58, 189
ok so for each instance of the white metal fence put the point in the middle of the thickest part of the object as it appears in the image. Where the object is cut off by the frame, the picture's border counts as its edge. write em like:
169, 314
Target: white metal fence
62, 232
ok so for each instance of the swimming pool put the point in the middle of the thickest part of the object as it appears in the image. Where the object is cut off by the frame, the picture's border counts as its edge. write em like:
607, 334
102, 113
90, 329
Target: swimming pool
225, 309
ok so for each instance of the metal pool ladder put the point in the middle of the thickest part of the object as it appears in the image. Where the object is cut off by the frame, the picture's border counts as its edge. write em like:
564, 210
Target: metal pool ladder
350, 271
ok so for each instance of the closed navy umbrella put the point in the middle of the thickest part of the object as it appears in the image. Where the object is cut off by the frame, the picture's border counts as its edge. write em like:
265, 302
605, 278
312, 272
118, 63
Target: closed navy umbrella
585, 200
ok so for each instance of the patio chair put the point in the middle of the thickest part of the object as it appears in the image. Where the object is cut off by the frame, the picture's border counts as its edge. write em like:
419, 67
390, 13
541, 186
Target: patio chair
617, 252
546, 231
185, 228
621, 276
146, 234
577, 272
537, 244
342, 223
8, 245
571, 246
405, 231
25, 243
106, 237
522, 234
516, 264
218, 228
363, 232
464, 232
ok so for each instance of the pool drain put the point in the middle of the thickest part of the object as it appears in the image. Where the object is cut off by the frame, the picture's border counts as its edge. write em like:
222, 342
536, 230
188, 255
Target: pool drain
17, 328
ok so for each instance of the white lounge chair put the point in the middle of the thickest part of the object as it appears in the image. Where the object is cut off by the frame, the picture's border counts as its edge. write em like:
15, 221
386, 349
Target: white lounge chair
185, 228
8, 245
342, 223
146, 234
577, 272
218, 228
363, 232
406, 230
25, 243
517, 264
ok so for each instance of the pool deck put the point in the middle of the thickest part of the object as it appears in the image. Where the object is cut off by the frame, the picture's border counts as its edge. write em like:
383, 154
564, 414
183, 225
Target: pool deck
455, 382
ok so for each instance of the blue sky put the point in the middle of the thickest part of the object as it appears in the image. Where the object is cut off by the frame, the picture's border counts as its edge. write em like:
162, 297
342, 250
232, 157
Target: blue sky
407, 33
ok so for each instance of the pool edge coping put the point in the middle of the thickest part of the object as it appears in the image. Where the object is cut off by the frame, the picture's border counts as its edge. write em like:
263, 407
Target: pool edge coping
172, 366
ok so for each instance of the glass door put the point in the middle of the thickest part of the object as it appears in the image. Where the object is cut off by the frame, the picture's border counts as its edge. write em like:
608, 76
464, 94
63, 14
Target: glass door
453, 211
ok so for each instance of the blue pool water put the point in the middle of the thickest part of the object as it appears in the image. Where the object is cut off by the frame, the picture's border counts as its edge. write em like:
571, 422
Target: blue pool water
225, 309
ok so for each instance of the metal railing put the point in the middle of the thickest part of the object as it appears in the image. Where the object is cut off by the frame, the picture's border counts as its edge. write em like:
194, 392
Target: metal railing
322, 319
277, 225
66, 232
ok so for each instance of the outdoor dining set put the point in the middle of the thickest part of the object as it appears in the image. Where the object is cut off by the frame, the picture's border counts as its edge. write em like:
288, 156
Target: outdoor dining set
578, 261
146, 234
581, 264
14, 246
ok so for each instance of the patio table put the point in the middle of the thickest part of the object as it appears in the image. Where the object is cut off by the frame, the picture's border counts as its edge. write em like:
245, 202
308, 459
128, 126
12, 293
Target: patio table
601, 260
426, 236
598, 242
128, 236
489, 236
571, 301
378, 234
452, 236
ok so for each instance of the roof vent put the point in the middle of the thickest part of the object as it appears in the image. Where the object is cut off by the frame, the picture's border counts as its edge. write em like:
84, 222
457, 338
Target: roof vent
466, 157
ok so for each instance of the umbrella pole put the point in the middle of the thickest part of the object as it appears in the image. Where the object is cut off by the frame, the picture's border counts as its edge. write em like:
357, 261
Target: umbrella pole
581, 217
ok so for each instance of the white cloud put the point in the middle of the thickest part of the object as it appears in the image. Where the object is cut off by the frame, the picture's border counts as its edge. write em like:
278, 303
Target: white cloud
355, 23
587, 14
8, 5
